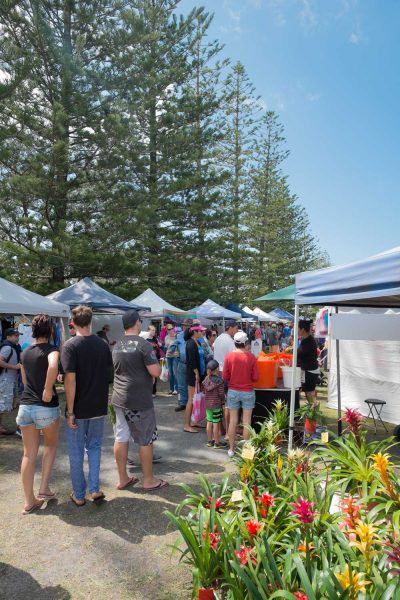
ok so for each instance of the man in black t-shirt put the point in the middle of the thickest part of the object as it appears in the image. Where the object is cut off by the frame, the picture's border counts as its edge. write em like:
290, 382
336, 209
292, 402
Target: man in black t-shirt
135, 367
86, 362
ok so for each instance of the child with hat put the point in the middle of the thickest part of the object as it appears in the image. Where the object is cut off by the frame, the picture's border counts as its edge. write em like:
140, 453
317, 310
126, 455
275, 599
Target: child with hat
213, 386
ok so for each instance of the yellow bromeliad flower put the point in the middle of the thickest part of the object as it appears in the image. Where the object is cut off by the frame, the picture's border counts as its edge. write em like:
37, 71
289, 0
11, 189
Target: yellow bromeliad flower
245, 472
382, 463
366, 537
352, 580
279, 466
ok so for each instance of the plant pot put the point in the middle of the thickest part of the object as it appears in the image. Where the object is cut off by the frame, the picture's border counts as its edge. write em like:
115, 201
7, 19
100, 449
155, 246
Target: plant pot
309, 426
206, 594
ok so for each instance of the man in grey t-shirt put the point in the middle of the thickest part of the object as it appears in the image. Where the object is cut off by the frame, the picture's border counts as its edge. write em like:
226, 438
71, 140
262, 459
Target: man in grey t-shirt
135, 367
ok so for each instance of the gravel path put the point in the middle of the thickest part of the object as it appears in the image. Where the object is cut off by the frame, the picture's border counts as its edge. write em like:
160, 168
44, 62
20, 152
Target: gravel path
117, 550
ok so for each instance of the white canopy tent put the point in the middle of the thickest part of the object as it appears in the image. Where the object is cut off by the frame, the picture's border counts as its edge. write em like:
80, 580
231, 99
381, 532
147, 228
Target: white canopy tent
211, 310
373, 282
16, 300
158, 306
264, 316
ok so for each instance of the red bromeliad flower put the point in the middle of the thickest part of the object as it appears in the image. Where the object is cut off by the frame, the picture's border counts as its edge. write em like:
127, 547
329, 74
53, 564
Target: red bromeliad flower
351, 510
299, 468
300, 595
253, 527
218, 503
243, 554
393, 557
354, 419
266, 500
303, 510
214, 540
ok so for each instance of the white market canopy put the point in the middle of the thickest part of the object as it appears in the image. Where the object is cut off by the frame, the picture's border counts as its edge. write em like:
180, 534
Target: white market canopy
91, 294
158, 306
374, 281
211, 310
16, 300
264, 316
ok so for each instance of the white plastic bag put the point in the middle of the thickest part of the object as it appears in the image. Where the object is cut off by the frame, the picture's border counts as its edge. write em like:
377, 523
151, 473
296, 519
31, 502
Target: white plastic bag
164, 371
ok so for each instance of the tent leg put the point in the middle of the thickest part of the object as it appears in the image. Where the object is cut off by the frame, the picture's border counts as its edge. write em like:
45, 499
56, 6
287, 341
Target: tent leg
339, 396
293, 389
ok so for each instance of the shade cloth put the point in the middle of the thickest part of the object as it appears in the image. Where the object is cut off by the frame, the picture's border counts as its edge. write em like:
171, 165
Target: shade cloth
16, 300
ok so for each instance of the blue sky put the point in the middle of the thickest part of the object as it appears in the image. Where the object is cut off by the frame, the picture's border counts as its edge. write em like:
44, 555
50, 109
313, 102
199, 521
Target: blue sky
331, 70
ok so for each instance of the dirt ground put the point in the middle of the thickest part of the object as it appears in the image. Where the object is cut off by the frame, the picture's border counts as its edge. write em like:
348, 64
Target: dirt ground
117, 550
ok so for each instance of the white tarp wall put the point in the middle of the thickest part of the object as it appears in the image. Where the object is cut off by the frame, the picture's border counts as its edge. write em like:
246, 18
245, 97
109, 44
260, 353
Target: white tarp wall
368, 369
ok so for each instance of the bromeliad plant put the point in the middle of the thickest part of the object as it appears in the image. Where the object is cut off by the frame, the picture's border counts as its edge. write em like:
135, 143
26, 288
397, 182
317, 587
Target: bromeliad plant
272, 533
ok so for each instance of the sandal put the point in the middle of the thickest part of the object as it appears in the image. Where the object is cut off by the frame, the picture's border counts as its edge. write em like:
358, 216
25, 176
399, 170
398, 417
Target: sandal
51, 496
160, 485
77, 503
28, 511
131, 481
98, 498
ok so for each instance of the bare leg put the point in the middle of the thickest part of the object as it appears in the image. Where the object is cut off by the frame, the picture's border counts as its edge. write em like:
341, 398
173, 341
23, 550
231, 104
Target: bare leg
233, 421
31, 440
146, 460
210, 431
50, 438
226, 417
311, 397
188, 411
217, 432
121, 456
247, 422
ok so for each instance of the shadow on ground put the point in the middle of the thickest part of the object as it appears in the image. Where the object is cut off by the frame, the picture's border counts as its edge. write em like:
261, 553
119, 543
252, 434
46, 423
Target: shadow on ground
19, 585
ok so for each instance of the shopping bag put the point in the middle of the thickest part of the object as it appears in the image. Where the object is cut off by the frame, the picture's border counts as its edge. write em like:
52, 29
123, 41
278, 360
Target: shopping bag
199, 406
164, 371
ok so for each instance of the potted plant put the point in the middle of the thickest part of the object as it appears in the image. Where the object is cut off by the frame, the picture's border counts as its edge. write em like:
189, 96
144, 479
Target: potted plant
311, 414
280, 417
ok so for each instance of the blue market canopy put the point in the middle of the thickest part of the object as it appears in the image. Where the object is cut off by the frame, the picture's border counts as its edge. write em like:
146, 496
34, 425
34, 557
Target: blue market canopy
245, 315
16, 300
374, 282
89, 293
282, 314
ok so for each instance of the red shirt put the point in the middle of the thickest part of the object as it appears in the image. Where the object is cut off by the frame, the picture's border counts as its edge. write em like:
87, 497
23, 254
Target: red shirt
240, 371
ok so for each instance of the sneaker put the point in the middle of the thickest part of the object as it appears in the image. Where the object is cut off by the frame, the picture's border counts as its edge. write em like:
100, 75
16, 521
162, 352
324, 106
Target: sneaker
231, 453
179, 408
170, 393
18, 432
220, 445
157, 458
174, 393
132, 463
210, 443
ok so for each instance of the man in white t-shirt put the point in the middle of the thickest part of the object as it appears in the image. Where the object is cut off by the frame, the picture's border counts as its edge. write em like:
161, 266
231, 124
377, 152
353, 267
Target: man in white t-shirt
224, 343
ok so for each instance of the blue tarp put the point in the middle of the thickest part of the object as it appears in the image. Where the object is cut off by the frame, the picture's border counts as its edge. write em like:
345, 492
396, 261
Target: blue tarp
374, 281
89, 293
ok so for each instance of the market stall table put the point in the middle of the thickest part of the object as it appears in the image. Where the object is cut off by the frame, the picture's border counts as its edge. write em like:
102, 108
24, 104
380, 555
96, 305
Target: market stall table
265, 400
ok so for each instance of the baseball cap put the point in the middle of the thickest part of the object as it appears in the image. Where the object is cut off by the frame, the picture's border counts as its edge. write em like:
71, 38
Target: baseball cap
230, 323
240, 337
11, 331
130, 318
198, 328
212, 364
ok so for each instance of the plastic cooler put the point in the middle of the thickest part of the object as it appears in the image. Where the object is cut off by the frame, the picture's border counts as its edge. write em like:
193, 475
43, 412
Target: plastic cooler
268, 371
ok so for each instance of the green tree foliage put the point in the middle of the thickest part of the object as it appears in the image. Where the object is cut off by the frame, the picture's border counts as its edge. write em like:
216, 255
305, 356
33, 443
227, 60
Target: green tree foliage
130, 152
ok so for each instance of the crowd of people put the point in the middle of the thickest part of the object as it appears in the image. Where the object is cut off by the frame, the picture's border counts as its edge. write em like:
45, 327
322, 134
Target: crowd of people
199, 359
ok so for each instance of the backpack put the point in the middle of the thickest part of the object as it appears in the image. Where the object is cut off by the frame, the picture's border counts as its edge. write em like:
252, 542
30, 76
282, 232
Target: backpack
8, 357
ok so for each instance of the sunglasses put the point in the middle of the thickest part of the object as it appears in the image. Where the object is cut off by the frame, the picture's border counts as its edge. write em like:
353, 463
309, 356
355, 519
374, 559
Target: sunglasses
169, 328
213, 335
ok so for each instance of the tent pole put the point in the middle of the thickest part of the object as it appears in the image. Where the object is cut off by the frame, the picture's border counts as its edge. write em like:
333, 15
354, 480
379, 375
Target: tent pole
339, 397
294, 365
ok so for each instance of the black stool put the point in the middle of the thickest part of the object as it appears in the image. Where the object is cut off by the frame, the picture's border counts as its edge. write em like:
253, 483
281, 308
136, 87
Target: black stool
377, 406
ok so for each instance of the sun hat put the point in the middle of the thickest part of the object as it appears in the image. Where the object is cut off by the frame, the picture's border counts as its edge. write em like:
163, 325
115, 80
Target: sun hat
198, 328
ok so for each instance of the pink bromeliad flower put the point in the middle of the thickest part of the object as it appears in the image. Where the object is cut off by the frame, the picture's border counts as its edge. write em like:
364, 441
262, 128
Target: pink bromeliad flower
218, 503
300, 596
303, 510
243, 554
214, 540
253, 527
354, 420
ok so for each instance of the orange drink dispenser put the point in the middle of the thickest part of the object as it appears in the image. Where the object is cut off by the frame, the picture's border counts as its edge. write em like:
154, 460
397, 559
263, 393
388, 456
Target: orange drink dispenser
268, 371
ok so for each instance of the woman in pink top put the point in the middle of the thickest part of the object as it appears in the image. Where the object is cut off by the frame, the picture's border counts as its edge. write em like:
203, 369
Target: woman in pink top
240, 372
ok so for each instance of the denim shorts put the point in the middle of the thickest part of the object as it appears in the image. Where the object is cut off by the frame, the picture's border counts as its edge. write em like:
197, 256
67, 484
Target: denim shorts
236, 400
41, 416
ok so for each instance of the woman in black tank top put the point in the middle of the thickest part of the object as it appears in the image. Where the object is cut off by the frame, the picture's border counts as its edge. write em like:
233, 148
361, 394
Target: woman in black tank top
39, 411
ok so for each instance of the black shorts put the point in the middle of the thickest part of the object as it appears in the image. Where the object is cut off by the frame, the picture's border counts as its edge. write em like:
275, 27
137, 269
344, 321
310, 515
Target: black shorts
311, 382
191, 379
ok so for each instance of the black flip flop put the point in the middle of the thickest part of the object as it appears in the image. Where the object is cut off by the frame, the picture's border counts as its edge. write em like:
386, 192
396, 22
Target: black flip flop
99, 498
132, 481
162, 484
76, 502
